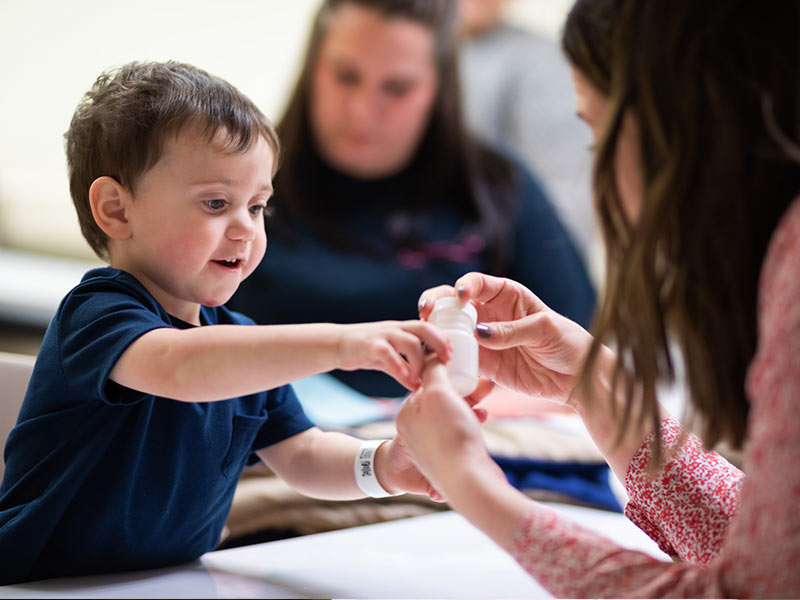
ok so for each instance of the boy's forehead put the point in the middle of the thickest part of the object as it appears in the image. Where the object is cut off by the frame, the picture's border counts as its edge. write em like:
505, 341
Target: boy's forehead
194, 154
194, 139
196, 135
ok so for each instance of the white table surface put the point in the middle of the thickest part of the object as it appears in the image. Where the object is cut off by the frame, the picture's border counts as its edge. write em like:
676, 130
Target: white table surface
433, 556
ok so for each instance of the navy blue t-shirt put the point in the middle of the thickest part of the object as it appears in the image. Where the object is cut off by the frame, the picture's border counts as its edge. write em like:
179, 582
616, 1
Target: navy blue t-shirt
102, 478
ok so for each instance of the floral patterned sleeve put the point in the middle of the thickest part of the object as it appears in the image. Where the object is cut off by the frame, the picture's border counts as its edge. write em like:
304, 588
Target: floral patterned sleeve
729, 535
687, 507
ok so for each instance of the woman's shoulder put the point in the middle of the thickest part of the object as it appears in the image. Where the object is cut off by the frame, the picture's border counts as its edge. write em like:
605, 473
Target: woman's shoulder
789, 224
779, 283
782, 258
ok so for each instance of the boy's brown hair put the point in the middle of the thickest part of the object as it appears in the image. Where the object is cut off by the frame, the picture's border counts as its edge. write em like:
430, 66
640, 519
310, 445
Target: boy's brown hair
121, 124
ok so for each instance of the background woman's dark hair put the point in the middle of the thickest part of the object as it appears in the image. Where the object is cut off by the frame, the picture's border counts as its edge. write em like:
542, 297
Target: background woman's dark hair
449, 165
704, 80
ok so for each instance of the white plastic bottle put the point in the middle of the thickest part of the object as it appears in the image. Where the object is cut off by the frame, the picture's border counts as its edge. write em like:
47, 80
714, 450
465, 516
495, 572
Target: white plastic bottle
458, 321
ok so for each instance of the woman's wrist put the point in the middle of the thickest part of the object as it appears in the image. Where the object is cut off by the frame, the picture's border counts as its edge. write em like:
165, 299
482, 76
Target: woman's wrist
602, 412
460, 478
599, 384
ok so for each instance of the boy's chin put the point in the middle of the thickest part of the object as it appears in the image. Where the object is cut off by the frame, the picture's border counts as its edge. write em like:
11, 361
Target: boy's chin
217, 300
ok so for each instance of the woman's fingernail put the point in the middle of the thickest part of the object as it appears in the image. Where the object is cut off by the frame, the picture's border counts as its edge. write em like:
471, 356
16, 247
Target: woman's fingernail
460, 290
483, 331
422, 304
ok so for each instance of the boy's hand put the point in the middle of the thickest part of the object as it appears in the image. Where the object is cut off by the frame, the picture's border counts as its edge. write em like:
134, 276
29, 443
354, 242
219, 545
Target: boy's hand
397, 348
396, 472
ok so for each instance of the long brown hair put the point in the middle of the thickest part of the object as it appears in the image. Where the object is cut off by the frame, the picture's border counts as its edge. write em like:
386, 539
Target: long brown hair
449, 164
710, 84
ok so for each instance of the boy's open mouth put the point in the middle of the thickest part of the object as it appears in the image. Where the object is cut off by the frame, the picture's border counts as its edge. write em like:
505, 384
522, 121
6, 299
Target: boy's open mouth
228, 264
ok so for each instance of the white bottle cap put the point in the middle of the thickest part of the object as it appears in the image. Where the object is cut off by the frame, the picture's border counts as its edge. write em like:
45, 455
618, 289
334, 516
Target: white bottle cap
453, 303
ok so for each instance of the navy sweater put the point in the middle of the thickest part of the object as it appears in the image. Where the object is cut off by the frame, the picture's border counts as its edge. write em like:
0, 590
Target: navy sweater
304, 279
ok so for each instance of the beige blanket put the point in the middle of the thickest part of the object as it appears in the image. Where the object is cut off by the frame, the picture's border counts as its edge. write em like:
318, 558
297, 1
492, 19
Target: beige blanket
264, 502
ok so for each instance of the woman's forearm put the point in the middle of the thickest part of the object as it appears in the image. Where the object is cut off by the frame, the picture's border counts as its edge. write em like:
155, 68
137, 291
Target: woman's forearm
601, 414
479, 491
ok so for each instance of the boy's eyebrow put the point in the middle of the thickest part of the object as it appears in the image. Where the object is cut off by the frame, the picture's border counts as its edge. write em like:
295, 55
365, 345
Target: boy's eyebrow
267, 187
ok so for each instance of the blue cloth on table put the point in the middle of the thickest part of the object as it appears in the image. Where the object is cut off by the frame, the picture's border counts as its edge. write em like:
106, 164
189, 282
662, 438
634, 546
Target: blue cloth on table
587, 483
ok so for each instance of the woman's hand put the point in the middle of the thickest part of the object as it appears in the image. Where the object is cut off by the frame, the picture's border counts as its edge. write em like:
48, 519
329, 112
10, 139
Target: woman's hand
397, 348
442, 433
524, 345
396, 465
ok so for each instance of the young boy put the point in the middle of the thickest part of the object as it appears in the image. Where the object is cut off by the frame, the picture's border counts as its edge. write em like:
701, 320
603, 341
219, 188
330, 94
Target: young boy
148, 396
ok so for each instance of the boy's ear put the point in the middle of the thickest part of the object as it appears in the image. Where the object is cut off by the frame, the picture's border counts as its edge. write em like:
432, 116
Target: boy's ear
110, 201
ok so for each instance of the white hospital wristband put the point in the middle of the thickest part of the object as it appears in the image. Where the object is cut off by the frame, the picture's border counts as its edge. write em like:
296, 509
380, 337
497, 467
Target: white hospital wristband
364, 469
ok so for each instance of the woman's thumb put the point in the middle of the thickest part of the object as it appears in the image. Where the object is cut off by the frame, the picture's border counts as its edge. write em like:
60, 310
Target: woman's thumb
507, 334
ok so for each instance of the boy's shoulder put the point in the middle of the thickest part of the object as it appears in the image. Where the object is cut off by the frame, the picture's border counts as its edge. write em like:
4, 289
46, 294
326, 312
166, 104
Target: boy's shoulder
108, 279
103, 289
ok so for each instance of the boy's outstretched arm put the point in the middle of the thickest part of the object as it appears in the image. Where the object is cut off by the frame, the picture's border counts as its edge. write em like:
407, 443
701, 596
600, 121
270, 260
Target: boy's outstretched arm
217, 362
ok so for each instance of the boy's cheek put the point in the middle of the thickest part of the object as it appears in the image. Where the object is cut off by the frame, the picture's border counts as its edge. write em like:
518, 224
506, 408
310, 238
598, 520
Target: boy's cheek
256, 254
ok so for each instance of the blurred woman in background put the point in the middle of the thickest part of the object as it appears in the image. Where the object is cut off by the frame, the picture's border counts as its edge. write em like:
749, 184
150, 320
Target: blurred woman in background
384, 193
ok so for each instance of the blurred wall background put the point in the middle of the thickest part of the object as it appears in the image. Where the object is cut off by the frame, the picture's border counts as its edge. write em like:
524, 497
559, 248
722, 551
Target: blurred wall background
51, 51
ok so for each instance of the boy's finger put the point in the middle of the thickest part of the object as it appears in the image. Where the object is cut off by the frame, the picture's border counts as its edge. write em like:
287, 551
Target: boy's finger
393, 364
432, 338
410, 350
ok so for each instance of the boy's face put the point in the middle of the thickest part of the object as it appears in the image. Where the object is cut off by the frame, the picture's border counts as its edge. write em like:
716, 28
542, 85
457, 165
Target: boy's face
197, 222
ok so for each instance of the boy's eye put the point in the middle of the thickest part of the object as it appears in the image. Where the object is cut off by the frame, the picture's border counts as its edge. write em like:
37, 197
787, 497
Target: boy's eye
257, 209
216, 204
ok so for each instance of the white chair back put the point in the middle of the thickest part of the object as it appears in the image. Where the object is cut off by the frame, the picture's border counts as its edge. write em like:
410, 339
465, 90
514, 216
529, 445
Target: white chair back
15, 371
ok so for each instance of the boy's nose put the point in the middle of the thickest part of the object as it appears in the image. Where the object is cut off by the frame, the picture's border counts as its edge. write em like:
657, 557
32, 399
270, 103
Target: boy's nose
242, 228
